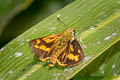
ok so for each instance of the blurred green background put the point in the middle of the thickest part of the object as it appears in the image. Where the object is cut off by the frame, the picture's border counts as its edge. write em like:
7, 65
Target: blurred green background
16, 16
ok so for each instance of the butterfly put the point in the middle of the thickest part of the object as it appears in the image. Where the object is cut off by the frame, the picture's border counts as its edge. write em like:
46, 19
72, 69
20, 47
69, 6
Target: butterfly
61, 48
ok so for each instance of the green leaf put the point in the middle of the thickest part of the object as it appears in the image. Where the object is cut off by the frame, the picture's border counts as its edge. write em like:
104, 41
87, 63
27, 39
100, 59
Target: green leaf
110, 65
98, 78
117, 77
18, 62
9, 8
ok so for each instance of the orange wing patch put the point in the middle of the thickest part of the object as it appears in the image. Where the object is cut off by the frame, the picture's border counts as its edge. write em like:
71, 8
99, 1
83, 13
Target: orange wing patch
38, 41
79, 51
44, 48
51, 38
36, 46
73, 57
71, 47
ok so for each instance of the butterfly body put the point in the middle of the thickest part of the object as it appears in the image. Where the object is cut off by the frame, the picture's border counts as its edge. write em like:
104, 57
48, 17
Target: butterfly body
62, 48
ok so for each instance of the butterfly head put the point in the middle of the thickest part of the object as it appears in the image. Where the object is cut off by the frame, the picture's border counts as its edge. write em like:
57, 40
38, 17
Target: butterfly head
69, 33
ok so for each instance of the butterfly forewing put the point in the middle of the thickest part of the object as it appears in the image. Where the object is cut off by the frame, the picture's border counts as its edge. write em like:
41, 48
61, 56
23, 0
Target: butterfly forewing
43, 47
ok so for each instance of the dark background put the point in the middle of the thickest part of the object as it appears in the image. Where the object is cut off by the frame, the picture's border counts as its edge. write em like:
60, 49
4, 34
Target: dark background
37, 11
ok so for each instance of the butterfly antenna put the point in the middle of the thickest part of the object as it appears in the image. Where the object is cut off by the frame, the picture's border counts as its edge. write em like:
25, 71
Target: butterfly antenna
61, 21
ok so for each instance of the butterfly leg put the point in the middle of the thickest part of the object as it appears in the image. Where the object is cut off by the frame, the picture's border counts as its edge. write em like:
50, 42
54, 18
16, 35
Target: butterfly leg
83, 45
53, 59
52, 63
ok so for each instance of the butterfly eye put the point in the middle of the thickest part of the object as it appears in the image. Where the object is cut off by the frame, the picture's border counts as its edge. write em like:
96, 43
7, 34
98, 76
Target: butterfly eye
73, 32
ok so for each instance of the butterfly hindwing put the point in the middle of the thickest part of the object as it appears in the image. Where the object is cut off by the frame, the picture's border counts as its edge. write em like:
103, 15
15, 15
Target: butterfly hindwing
72, 55
43, 47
